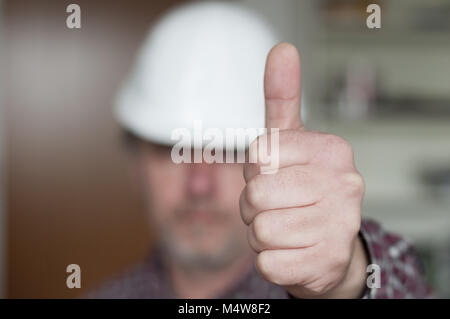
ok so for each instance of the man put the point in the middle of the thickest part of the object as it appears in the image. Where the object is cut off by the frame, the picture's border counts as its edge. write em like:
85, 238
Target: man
237, 230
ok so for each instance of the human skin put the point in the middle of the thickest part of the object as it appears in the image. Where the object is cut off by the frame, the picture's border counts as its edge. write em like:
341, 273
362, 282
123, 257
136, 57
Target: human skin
194, 209
301, 223
303, 220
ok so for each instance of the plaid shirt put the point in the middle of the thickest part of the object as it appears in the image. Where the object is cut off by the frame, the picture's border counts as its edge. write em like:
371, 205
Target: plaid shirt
401, 274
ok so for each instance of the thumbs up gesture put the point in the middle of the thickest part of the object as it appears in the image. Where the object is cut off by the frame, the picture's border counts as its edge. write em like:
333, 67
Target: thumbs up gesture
303, 220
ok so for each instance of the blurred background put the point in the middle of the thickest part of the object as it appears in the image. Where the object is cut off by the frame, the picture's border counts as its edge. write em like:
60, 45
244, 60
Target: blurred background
65, 196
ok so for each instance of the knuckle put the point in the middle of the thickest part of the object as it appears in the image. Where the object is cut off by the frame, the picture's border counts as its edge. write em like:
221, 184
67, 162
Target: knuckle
243, 209
254, 192
261, 229
353, 184
263, 264
251, 240
271, 271
333, 140
339, 147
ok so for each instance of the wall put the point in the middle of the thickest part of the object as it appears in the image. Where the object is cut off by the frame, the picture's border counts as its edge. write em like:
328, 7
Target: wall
2, 168
69, 196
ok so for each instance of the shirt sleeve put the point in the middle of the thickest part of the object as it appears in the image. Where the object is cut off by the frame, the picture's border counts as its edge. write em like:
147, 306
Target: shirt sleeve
401, 272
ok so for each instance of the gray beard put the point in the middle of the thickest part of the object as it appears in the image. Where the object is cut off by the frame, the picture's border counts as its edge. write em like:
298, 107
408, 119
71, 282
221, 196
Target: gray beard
193, 261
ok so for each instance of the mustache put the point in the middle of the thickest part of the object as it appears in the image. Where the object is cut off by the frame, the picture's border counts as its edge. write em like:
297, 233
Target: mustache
212, 208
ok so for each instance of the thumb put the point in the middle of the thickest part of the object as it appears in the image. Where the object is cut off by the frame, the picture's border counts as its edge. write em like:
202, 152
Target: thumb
282, 87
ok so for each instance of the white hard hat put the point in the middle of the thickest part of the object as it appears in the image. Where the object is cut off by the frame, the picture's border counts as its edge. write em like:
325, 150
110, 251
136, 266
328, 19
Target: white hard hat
201, 62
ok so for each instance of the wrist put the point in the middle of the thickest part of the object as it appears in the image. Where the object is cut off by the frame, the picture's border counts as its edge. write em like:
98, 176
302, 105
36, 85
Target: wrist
353, 285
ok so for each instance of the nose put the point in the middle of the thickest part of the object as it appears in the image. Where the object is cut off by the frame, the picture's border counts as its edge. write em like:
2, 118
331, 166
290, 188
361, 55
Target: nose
201, 179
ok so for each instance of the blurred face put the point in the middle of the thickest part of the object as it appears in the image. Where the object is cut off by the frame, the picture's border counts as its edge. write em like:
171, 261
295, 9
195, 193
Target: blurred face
194, 208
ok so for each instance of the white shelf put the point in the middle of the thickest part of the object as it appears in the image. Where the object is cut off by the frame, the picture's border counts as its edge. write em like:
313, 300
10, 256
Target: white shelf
422, 221
390, 154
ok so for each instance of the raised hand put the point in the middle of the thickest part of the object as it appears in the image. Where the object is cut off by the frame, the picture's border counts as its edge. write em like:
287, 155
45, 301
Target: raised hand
304, 219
